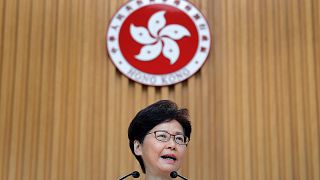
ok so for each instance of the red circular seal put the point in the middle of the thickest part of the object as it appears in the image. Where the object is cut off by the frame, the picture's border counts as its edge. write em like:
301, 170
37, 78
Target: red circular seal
158, 42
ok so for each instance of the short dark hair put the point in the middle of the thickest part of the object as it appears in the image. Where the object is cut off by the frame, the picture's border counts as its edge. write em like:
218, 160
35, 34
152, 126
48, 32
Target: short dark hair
154, 114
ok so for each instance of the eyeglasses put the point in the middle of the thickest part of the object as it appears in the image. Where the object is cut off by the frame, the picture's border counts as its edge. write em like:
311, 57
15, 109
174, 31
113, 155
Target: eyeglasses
164, 136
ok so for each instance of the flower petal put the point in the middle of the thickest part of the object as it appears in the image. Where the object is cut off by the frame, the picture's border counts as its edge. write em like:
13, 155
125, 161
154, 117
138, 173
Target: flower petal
141, 35
156, 22
149, 52
170, 49
174, 31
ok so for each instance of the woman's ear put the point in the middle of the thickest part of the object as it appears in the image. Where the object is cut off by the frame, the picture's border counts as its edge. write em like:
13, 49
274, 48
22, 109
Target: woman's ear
137, 148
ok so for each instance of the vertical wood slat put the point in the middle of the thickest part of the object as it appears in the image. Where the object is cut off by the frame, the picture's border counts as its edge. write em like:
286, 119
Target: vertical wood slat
64, 108
285, 116
273, 135
2, 27
312, 133
33, 103
257, 81
246, 163
59, 136
111, 122
296, 86
20, 91
8, 61
45, 146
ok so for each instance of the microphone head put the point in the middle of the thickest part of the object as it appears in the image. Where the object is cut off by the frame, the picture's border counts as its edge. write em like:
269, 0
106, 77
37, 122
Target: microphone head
173, 174
135, 174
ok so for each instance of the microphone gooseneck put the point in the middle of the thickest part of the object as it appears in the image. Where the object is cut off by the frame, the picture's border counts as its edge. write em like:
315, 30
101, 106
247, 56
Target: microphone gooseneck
174, 174
134, 174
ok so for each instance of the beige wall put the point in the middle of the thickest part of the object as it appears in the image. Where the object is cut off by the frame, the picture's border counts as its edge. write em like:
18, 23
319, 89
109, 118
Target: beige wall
255, 104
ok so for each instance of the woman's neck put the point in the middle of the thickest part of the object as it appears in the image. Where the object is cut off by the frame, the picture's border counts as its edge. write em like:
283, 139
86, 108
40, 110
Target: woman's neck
157, 177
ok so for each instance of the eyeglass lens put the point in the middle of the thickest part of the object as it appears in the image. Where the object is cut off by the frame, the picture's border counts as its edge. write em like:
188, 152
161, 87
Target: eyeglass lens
165, 136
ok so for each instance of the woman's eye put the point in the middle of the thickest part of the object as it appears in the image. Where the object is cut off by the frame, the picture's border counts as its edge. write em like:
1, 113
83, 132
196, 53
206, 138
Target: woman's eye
179, 139
162, 136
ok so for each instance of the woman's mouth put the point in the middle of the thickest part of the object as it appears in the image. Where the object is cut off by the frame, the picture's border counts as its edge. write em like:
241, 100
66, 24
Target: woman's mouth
170, 157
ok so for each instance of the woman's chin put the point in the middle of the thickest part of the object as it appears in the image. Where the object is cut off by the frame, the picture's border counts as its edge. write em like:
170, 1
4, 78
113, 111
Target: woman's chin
168, 169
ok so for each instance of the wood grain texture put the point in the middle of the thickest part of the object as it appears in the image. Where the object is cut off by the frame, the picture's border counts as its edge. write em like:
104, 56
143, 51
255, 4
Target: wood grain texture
255, 104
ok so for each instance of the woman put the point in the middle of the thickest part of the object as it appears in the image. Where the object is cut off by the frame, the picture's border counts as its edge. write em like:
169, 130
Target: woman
158, 137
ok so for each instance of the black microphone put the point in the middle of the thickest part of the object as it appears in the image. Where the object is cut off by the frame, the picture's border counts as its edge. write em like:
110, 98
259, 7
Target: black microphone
134, 174
174, 174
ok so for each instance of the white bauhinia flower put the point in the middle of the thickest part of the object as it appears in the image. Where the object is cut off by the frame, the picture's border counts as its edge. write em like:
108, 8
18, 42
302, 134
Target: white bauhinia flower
158, 38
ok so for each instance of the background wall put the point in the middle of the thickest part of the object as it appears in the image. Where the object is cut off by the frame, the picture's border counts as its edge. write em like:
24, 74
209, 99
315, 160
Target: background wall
65, 109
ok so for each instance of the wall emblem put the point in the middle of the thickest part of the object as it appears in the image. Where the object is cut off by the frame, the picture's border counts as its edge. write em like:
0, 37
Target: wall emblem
158, 42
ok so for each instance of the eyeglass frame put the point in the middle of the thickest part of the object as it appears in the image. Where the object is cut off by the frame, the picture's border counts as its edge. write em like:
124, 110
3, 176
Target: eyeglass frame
187, 139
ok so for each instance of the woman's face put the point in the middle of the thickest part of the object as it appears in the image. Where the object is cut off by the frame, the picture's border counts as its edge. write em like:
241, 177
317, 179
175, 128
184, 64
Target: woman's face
161, 157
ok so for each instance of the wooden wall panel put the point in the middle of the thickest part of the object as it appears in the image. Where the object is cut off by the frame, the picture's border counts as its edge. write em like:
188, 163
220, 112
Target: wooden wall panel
65, 109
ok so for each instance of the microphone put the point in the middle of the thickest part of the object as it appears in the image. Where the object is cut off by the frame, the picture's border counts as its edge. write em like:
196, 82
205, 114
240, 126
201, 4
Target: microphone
134, 174
174, 174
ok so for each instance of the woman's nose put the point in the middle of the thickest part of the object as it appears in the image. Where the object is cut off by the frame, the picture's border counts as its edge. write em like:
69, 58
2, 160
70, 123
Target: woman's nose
171, 143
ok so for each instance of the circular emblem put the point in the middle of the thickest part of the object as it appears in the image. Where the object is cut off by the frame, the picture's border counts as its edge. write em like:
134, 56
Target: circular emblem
158, 42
